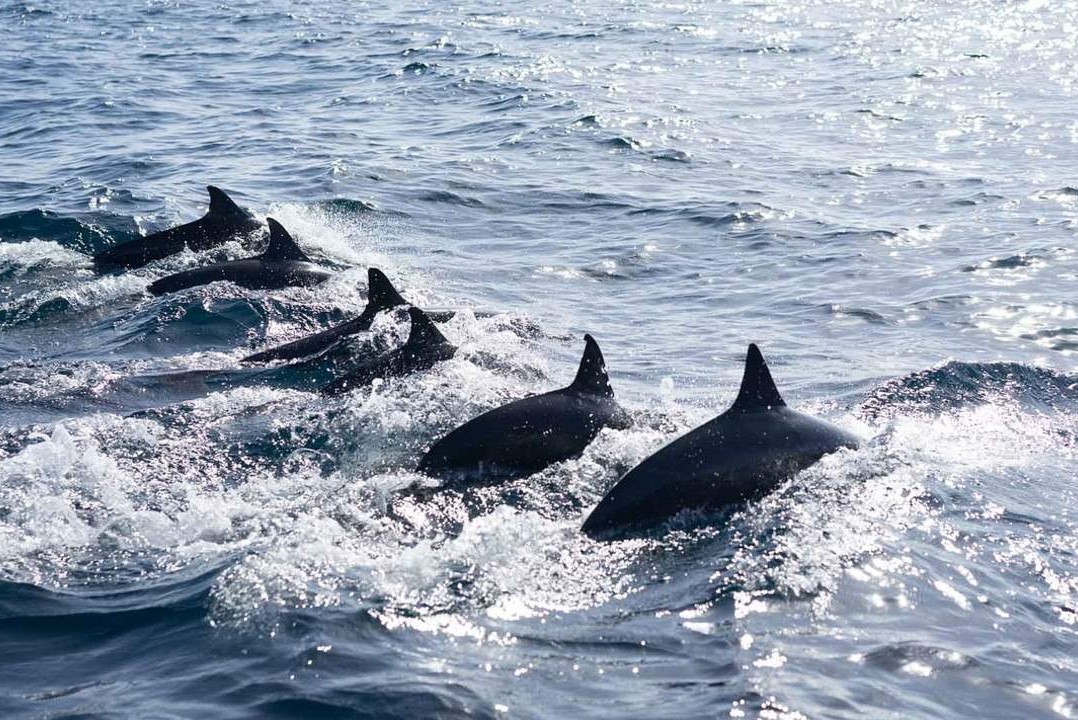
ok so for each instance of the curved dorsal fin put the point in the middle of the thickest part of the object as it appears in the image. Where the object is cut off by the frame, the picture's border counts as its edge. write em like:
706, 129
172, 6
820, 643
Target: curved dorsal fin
591, 375
758, 391
281, 245
222, 205
381, 295
423, 330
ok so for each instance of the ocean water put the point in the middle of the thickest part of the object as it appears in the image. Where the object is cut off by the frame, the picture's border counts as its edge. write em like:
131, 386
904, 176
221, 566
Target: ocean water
881, 194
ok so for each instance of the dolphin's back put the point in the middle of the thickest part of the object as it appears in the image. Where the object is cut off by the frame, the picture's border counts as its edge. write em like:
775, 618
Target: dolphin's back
223, 221
194, 278
145, 250
527, 434
253, 274
311, 344
277, 275
395, 363
744, 452
735, 457
425, 348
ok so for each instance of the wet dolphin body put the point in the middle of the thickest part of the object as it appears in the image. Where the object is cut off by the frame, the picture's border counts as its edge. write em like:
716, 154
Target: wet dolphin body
743, 453
425, 348
283, 264
224, 221
532, 433
381, 296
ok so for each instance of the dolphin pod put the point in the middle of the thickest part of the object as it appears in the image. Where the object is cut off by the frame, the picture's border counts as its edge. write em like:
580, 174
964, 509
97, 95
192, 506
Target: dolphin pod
741, 454
224, 221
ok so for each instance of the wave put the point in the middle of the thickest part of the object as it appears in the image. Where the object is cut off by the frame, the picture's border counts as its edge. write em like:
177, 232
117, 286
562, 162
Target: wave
86, 234
956, 385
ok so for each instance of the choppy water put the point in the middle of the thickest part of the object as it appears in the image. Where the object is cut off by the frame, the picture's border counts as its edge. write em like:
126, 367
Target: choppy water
881, 194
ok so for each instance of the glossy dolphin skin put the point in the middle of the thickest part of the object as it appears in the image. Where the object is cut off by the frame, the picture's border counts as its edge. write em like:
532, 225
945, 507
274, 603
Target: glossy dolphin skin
425, 348
224, 221
381, 296
283, 264
532, 433
743, 453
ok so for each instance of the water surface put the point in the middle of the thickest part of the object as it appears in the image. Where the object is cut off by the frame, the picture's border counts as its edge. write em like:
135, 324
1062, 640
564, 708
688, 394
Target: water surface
880, 194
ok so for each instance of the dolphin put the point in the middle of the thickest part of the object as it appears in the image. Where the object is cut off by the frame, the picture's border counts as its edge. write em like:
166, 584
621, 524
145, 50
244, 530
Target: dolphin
424, 349
381, 295
224, 221
743, 453
283, 264
532, 433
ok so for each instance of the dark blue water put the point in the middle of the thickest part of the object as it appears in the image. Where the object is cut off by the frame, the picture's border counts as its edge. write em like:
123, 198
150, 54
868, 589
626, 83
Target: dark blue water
883, 195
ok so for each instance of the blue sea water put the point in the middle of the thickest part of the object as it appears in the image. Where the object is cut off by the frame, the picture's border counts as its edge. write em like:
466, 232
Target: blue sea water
881, 194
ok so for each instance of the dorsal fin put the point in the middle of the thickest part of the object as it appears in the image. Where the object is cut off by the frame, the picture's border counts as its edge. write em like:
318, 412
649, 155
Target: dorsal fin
591, 376
381, 295
222, 205
758, 391
423, 330
281, 245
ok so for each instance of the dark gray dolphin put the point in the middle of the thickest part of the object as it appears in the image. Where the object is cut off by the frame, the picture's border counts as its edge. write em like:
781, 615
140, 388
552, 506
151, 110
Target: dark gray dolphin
283, 264
381, 295
745, 452
224, 221
425, 348
529, 434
